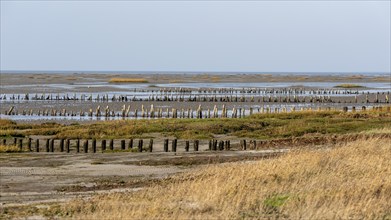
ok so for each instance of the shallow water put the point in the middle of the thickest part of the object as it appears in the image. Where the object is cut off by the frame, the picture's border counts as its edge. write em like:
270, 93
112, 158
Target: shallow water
257, 108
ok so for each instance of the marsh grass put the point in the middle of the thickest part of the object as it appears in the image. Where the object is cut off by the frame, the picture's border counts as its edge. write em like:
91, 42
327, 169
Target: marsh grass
349, 86
9, 149
128, 80
259, 126
348, 181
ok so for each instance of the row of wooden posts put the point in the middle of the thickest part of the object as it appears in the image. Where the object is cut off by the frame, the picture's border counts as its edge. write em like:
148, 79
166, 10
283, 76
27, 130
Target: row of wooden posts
175, 113
204, 98
65, 145
181, 91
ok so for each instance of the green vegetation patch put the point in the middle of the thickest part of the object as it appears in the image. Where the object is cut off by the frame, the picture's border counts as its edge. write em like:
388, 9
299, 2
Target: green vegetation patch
260, 126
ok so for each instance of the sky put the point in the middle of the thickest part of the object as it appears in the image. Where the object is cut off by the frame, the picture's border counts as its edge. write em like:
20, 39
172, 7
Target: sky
222, 36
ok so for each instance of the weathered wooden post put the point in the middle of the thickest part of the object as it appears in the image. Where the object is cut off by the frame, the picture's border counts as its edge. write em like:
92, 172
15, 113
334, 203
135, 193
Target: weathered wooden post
122, 144
78, 145
94, 145
196, 144
210, 145
51, 145
85, 146
5, 142
130, 144
243, 144
174, 144
214, 145
221, 145
47, 146
111, 145
37, 145
68, 145
140, 145
28, 144
103, 145
150, 147
187, 145
20, 144
227, 145
165, 145
62, 145
15, 141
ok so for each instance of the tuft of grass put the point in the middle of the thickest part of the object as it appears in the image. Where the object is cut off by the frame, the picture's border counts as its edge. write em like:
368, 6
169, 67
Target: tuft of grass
128, 80
176, 81
9, 149
349, 86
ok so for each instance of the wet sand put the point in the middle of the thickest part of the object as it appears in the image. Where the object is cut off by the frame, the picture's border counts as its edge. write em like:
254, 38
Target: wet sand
86, 84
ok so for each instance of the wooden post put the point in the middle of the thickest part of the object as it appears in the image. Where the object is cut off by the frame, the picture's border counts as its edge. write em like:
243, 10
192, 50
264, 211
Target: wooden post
103, 145
20, 144
150, 147
68, 145
173, 145
244, 145
62, 145
85, 146
5, 142
221, 145
28, 144
255, 144
214, 145
140, 145
78, 145
187, 145
51, 147
196, 144
37, 145
15, 141
210, 144
94, 145
165, 145
227, 145
111, 146
122, 144
47, 145
130, 144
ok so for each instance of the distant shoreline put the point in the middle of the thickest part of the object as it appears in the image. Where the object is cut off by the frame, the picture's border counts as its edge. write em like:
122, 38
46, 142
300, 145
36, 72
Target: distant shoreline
220, 73
172, 78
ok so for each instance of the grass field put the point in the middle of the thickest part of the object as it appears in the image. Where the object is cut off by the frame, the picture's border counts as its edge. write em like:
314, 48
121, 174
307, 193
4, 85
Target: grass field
350, 180
260, 126
349, 177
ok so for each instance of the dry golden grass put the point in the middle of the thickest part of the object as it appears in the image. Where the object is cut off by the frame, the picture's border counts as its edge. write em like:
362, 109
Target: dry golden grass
128, 80
9, 149
176, 81
348, 86
348, 181
385, 130
215, 78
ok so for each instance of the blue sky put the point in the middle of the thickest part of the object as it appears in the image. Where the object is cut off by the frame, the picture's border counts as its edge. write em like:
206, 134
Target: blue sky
249, 36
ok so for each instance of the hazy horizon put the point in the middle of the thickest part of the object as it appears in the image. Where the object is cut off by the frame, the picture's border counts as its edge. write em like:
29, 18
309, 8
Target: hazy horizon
214, 37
